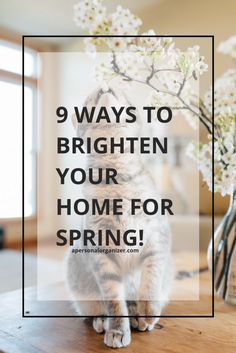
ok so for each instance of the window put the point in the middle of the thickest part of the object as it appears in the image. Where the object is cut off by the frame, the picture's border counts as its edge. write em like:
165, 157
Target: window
11, 131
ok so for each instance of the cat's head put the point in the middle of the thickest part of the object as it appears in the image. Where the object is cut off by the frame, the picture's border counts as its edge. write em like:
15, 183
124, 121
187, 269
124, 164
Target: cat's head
112, 98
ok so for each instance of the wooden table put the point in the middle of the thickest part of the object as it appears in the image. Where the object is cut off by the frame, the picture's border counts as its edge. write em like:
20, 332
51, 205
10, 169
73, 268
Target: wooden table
69, 335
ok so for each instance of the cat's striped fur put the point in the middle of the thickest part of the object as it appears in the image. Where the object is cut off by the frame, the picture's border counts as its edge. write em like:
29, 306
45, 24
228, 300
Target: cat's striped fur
132, 284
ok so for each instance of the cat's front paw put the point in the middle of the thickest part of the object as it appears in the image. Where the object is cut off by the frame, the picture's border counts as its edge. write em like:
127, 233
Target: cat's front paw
117, 338
147, 323
100, 324
146, 308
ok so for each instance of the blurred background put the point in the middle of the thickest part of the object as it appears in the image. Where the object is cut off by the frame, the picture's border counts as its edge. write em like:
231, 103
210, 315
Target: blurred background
27, 17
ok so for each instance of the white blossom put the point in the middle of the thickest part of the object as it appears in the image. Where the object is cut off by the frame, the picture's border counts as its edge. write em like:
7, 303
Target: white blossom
224, 133
104, 73
228, 47
124, 22
88, 13
224, 95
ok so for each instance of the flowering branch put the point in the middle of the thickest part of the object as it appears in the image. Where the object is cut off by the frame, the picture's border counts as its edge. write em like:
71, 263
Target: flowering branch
202, 117
169, 73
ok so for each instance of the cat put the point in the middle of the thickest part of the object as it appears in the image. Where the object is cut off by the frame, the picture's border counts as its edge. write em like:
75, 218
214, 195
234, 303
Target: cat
117, 288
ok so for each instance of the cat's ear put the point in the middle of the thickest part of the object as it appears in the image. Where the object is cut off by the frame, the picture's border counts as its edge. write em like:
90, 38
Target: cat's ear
107, 100
74, 121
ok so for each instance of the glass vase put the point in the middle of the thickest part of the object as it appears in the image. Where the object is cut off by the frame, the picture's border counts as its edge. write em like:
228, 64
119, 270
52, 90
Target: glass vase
225, 253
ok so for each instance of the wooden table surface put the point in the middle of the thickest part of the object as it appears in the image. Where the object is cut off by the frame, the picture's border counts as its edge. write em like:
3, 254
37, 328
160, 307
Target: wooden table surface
69, 335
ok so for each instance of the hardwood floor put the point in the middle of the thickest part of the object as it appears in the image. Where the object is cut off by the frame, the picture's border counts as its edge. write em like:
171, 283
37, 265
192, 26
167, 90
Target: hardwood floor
70, 335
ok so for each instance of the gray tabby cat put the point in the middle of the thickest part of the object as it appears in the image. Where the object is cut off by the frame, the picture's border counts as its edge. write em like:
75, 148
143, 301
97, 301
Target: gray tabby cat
123, 285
